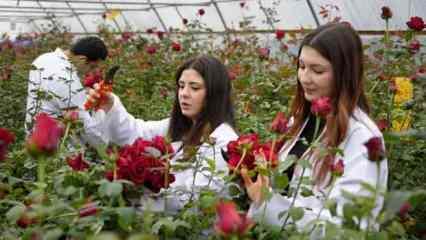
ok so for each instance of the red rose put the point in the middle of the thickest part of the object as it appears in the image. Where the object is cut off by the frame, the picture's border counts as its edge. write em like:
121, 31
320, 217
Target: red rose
247, 143
404, 209
230, 221
338, 168
45, 136
386, 13
375, 149
185, 21
279, 34
414, 46
155, 180
91, 78
265, 152
71, 116
151, 50
382, 124
161, 144
150, 31
160, 35
321, 106
126, 35
176, 46
236, 42
280, 123
109, 175
6, 138
263, 53
88, 209
284, 47
6, 73
416, 23
144, 163
232, 75
26, 220
392, 86
77, 163
201, 12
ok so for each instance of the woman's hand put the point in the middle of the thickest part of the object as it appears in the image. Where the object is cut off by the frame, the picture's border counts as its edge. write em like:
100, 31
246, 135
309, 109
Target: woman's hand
254, 189
99, 98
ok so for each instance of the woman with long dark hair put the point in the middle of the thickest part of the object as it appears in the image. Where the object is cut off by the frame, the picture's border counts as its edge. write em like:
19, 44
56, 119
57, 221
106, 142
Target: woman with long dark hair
202, 108
330, 66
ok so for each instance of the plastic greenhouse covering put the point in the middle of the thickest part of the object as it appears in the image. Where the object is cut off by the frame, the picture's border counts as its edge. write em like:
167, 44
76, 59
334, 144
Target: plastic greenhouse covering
84, 16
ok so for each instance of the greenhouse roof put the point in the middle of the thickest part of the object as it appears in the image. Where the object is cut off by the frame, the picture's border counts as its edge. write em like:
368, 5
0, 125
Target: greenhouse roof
84, 16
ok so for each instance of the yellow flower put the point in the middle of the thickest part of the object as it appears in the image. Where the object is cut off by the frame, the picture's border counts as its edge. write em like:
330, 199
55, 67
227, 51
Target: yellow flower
399, 125
401, 119
112, 14
404, 90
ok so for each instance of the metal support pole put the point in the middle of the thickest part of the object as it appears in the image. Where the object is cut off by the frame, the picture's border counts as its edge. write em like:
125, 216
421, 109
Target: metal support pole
78, 17
158, 16
311, 8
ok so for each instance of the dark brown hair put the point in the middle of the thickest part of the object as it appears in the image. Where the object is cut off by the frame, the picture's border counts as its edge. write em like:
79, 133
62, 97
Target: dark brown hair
218, 107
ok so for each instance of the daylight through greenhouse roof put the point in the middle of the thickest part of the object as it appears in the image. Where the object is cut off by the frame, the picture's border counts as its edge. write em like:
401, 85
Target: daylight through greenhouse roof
84, 16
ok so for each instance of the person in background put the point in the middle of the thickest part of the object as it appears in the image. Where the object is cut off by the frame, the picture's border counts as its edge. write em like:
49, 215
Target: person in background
54, 85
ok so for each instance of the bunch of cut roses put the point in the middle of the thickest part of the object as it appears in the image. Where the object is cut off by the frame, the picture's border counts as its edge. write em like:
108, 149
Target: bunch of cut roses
145, 162
248, 152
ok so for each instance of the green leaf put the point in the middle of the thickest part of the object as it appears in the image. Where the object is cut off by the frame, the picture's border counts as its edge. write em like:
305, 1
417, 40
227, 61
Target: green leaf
207, 201
53, 234
396, 228
15, 213
306, 192
417, 198
331, 205
160, 223
296, 213
212, 164
288, 162
348, 211
142, 237
110, 189
105, 236
280, 181
126, 217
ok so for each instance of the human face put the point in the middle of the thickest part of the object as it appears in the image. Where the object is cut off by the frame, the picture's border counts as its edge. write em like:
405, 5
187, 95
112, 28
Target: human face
83, 65
191, 93
315, 74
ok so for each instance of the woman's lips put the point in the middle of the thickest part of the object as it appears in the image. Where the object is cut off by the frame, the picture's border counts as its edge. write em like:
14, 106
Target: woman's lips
185, 105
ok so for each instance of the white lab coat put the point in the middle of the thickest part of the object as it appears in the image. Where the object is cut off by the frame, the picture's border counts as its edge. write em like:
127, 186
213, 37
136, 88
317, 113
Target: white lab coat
357, 169
122, 128
57, 77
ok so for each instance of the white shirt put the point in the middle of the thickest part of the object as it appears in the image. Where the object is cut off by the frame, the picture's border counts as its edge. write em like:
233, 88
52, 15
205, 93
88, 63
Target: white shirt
122, 128
357, 168
56, 79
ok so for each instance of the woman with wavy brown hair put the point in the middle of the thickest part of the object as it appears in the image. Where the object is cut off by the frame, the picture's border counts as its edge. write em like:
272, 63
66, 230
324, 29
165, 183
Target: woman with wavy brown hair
202, 119
330, 73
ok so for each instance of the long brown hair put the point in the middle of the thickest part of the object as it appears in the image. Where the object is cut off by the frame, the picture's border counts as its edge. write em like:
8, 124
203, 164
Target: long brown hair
218, 107
341, 45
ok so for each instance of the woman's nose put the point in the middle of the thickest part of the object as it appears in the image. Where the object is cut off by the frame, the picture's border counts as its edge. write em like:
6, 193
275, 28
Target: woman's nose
184, 92
304, 76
